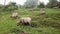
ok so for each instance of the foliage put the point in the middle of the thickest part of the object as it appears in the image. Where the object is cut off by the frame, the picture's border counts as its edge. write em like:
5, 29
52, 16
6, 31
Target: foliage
1, 7
41, 5
58, 4
52, 3
10, 7
31, 3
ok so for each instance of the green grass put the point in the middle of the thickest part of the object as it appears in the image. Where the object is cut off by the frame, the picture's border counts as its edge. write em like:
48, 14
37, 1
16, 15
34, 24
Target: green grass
40, 24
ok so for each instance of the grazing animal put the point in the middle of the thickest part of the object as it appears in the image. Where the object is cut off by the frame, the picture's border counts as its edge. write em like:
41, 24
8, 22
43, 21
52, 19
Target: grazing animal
14, 15
23, 32
42, 12
55, 7
25, 21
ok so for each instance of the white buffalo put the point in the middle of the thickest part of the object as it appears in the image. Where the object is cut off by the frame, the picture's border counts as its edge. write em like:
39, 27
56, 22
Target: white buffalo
25, 21
42, 13
14, 15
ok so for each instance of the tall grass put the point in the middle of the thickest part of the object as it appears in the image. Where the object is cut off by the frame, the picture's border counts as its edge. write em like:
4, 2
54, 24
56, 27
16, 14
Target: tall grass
40, 24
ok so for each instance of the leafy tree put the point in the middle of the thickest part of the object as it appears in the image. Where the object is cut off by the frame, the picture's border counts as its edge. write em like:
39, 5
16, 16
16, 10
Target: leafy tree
31, 3
52, 3
1, 7
4, 2
41, 5
58, 4
11, 6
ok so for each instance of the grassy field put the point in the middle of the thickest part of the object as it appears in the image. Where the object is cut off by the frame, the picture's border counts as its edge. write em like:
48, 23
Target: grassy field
40, 24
